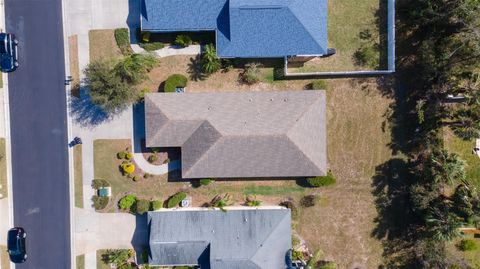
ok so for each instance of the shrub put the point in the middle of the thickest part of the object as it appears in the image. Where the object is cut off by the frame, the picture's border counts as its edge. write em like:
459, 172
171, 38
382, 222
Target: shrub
99, 183
250, 74
145, 36
142, 206
318, 85
467, 245
183, 41
366, 56
297, 255
127, 202
122, 37
290, 205
121, 155
176, 199
99, 203
327, 180
146, 175
252, 201
128, 168
129, 156
210, 61
136, 178
308, 200
174, 81
221, 201
205, 181
152, 158
152, 46
157, 204
133, 69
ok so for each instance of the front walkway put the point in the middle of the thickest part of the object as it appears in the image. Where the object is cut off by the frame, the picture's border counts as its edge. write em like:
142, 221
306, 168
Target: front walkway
154, 169
172, 50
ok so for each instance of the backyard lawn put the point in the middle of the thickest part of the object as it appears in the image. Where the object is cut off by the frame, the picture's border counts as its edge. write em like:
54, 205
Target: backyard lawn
78, 177
341, 223
103, 45
346, 19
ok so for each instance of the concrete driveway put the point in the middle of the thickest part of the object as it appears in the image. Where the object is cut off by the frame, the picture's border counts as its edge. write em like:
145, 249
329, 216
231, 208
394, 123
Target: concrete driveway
109, 231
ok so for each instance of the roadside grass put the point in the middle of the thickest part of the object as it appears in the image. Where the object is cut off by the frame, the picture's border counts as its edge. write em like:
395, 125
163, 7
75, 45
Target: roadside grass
103, 45
100, 263
465, 150
78, 176
346, 19
80, 261
1, 81
3, 169
4, 259
74, 66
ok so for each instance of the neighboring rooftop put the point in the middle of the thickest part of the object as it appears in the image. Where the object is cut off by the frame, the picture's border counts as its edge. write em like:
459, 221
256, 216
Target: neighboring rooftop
246, 28
242, 134
235, 239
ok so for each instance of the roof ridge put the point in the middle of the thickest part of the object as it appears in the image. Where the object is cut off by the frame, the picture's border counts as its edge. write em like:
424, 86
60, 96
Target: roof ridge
302, 114
301, 151
303, 26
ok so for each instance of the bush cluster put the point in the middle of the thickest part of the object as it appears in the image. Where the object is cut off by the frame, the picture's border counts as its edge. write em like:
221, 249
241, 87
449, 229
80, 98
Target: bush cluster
127, 202
152, 46
176, 199
122, 37
183, 41
327, 180
174, 81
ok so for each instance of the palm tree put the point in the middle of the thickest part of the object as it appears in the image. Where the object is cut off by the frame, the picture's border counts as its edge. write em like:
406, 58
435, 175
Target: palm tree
210, 61
446, 167
443, 225
134, 68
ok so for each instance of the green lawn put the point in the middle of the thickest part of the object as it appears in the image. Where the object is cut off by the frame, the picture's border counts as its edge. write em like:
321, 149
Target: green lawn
346, 19
473, 257
3, 169
464, 149
80, 261
78, 177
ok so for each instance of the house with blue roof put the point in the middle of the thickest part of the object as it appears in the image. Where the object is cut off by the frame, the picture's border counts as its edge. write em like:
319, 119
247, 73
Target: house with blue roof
246, 28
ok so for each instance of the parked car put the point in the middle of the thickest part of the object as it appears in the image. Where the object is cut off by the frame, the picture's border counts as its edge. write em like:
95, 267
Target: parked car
8, 52
16, 245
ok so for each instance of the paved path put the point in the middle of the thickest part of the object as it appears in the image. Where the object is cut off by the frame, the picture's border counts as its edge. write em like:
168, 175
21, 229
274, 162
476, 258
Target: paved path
109, 231
172, 50
38, 128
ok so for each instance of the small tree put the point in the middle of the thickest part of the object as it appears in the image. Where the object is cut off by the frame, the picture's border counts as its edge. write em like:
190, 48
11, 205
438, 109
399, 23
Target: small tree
251, 73
183, 41
142, 206
127, 202
210, 61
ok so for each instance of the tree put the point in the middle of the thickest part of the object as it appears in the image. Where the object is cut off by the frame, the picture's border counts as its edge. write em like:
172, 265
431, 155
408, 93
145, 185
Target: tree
106, 89
210, 61
443, 225
445, 167
134, 68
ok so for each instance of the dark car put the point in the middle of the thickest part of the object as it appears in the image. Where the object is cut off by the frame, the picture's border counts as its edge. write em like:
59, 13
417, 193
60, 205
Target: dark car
8, 52
16, 245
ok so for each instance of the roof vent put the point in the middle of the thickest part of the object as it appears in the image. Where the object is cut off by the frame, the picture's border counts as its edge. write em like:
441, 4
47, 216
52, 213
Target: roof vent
271, 99
285, 99
250, 99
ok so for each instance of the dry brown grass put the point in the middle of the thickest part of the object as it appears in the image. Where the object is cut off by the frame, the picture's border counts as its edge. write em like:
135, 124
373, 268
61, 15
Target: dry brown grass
78, 175
73, 57
103, 45
3, 169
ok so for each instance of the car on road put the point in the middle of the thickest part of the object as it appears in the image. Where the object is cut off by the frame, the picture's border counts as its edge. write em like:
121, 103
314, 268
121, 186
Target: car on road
16, 245
8, 52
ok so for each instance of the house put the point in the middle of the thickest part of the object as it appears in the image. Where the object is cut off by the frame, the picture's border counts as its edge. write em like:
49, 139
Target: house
235, 239
245, 28
241, 134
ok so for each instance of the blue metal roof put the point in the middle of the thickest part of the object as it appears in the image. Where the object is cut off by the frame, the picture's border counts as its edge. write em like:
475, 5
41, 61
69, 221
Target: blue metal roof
246, 28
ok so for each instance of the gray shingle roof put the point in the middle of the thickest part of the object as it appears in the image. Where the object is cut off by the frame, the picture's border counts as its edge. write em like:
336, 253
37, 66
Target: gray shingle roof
243, 239
242, 134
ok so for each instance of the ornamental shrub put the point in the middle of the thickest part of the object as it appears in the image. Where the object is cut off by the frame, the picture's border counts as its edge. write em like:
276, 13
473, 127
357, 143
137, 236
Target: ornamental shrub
467, 245
99, 203
174, 81
327, 180
183, 41
176, 199
129, 156
152, 158
251, 73
136, 178
99, 183
157, 204
128, 168
122, 38
205, 181
121, 155
152, 46
127, 202
142, 206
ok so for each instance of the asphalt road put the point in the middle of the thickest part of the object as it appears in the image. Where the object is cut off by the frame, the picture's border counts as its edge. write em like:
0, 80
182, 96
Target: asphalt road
38, 123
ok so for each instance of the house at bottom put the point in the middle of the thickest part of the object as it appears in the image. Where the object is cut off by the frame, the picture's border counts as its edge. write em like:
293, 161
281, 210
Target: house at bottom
241, 134
212, 239
245, 28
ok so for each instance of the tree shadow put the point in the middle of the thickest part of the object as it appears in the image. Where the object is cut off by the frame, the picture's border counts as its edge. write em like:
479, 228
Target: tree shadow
135, 9
140, 239
195, 70
86, 113
138, 126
